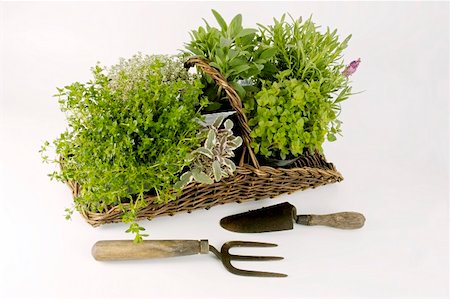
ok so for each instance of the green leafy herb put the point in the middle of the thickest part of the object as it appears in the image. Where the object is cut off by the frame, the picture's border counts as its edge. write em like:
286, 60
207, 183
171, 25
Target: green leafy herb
212, 162
232, 49
130, 129
289, 117
299, 98
309, 54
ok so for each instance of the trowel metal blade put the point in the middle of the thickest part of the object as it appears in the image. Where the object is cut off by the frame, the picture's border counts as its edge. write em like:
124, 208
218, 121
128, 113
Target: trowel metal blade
274, 218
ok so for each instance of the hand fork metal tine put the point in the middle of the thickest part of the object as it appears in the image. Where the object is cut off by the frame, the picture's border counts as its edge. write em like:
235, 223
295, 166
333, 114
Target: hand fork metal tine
226, 258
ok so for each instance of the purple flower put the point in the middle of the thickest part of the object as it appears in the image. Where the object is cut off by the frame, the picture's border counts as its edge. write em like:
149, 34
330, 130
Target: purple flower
351, 68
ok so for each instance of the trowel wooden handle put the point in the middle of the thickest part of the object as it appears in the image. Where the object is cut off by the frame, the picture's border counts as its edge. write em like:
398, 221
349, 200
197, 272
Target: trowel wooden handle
127, 250
344, 220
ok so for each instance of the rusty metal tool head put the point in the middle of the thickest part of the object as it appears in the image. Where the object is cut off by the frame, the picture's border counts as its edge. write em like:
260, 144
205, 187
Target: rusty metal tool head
226, 257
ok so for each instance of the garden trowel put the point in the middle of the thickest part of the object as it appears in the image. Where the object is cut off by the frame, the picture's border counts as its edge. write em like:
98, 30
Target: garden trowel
282, 217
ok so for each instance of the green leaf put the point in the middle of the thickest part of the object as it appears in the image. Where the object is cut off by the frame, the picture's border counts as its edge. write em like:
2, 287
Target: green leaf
284, 74
194, 50
201, 177
185, 179
217, 171
237, 61
236, 142
230, 164
213, 106
245, 32
239, 89
236, 25
210, 140
218, 121
343, 95
220, 20
268, 53
228, 124
215, 65
205, 151
240, 69
225, 42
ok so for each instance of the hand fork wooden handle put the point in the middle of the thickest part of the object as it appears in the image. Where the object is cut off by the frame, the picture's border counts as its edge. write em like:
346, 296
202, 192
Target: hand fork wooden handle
127, 250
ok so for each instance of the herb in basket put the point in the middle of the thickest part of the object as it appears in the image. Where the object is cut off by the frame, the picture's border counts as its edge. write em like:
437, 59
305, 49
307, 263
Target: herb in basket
297, 108
233, 50
290, 77
212, 161
130, 130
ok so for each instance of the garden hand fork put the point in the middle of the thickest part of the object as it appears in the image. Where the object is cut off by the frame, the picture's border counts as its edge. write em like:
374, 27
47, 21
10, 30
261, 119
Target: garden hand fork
127, 250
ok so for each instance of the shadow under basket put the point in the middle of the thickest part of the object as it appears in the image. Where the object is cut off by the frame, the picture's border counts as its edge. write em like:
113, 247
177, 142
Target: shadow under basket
249, 182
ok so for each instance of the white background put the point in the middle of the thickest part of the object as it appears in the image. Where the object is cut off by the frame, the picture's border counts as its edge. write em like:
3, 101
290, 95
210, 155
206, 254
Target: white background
394, 157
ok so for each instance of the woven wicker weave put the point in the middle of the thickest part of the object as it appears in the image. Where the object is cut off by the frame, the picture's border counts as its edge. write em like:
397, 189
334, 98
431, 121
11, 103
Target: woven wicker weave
250, 181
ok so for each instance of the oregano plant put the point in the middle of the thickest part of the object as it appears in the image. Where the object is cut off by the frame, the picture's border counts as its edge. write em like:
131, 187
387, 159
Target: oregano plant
289, 117
297, 106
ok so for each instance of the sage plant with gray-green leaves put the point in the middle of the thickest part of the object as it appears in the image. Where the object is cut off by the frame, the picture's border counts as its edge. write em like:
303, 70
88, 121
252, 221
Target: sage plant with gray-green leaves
212, 161
232, 49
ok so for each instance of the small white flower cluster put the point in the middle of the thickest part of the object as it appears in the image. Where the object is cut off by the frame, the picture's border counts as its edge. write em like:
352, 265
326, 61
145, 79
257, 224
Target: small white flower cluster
140, 70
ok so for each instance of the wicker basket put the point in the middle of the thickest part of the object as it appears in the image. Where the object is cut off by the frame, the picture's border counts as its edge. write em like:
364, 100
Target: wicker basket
250, 181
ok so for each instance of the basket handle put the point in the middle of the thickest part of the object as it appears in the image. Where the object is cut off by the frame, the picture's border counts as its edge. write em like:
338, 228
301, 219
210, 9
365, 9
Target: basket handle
235, 102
